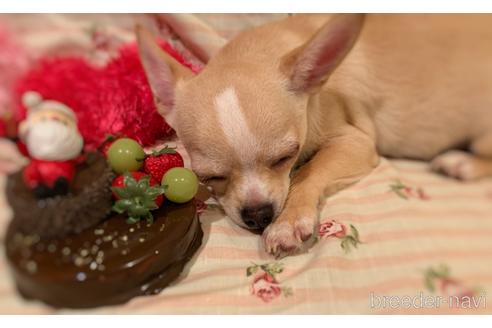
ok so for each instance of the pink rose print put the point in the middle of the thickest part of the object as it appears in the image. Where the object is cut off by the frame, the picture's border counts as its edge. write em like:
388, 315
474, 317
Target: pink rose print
332, 228
452, 287
406, 192
422, 195
265, 285
335, 229
446, 285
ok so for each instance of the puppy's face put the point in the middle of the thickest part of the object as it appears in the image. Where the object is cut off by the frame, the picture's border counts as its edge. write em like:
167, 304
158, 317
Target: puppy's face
244, 122
243, 139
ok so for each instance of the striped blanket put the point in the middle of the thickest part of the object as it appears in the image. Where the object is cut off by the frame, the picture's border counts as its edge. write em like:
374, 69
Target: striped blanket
402, 240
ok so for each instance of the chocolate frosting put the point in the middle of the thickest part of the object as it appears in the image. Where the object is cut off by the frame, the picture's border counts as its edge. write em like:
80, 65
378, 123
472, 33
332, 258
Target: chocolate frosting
107, 264
87, 204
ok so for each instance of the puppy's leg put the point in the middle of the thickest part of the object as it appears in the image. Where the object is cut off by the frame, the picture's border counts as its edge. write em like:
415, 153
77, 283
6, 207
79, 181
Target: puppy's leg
467, 166
343, 161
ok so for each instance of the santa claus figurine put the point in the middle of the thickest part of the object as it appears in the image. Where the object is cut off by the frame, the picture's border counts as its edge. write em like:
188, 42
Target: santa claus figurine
53, 143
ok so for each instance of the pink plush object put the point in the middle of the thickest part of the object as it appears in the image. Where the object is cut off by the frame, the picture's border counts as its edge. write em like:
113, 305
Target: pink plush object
13, 63
115, 99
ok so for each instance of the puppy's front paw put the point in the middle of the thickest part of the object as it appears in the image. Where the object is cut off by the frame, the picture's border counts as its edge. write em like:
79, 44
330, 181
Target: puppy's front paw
457, 164
288, 233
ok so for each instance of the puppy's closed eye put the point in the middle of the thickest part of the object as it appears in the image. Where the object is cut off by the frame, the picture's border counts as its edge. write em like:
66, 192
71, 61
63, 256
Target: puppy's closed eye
281, 161
213, 179
286, 157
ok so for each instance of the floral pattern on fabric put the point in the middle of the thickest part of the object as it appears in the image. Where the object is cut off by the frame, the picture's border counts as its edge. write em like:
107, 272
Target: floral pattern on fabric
332, 228
439, 280
265, 285
406, 192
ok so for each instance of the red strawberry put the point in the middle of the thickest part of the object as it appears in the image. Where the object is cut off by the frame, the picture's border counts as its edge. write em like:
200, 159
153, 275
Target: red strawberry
137, 194
119, 182
159, 162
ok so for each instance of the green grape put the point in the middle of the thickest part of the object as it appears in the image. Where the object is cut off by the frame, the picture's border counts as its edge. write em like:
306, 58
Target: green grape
125, 155
180, 184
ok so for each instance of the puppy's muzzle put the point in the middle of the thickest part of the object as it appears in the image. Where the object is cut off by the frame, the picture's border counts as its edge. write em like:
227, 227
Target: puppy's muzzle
257, 217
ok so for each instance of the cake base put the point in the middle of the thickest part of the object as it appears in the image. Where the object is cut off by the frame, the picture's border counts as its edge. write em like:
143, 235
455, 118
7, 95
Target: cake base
107, 264
88, 203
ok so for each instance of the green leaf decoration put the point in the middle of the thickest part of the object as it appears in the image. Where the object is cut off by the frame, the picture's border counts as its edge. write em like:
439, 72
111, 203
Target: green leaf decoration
150, 204
344, 245
137, 198
479, 291
165, 150
251, 270
399, 193
130, 183
397, 187
153, 192
351, 240
355, 233
287, 291
429, 283
150, 218
121, 192
138, 210
109, 137
132, 220
431, 274
443, 271
122, 205
276, 268
143, 184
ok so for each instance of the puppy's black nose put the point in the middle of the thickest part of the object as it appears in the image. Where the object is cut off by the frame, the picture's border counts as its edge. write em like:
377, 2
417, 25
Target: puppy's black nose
257, 217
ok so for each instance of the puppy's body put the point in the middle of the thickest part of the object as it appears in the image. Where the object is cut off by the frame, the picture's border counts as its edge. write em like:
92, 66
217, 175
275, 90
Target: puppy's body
424, 81
304, 89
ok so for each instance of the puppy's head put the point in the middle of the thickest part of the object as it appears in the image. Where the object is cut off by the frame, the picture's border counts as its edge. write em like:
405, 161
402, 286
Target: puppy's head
244, 121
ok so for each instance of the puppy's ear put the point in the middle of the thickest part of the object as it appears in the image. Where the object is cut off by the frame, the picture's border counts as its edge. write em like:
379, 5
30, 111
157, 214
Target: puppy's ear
163, 72
310, 65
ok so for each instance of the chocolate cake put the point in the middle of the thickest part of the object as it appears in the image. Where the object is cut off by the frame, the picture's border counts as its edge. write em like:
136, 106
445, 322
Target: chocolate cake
88, 202
71, 252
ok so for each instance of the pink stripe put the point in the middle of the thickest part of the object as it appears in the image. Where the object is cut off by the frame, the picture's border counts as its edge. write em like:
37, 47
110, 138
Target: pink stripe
430, 232
412, 213
380, 175
304, 295
347, 263
391, 196
375, 237
385, 235
343, 263
410, 182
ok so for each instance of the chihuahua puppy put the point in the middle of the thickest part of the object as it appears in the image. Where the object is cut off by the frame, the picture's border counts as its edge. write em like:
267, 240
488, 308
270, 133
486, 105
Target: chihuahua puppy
293, 111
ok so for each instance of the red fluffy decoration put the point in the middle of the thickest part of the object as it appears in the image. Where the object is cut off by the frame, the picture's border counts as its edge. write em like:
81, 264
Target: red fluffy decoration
3, 128
114, 100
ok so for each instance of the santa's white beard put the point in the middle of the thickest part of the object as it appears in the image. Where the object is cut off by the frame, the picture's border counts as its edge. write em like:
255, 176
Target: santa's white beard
53, 141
